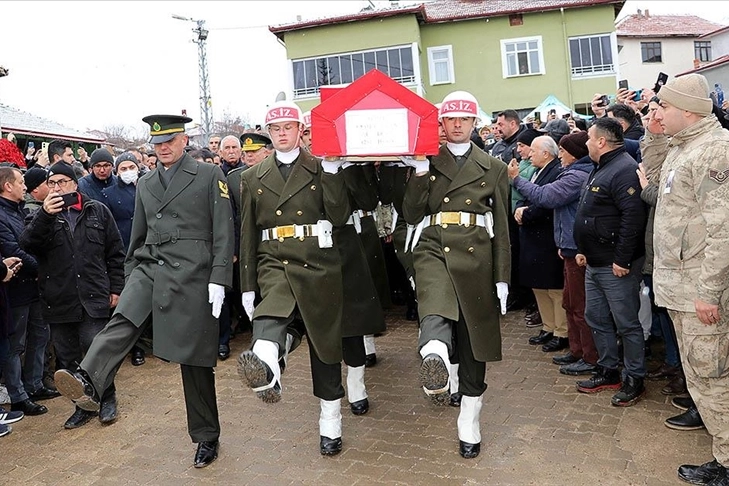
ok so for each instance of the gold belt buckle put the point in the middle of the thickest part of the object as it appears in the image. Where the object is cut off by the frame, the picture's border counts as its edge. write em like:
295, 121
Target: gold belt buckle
450, 218
285, 231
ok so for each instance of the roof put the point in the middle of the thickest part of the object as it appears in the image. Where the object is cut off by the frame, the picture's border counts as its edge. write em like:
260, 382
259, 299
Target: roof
447, 10
647, 25
24, 123
718, 31
719, 61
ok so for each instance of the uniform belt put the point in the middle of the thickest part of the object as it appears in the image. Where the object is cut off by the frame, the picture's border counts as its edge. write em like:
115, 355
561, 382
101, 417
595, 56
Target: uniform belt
173, 236
461, 218
280, 233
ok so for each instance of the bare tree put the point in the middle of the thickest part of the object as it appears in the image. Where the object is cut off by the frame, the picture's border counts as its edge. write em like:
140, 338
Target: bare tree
231, 124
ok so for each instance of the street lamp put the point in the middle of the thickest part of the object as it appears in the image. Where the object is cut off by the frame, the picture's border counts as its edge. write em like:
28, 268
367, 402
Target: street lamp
206, 106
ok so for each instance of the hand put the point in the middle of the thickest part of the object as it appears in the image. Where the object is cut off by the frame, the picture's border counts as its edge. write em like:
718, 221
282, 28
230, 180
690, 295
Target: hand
513, 169
82, 155
597, 108
651, 124
113, 300
216, 296
247, 300
518, 214
707, 313
30, 152
641, 176
9, 262
580, 260
53, 203
331, 166
619, 271
502, 292
421, 166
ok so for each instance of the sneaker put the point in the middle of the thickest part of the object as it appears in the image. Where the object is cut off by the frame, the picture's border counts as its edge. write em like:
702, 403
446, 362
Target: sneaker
5, 430
603, 379
631, 391
7, 417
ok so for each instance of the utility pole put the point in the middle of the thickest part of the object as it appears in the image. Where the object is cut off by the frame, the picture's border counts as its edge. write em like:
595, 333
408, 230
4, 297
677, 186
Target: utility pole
206, 106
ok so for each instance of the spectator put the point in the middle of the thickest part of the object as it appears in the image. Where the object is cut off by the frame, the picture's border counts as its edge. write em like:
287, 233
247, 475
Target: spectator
101, 176
36, 188
626, 116
231, 152
509, 126
556, 129
62, 151
6, 273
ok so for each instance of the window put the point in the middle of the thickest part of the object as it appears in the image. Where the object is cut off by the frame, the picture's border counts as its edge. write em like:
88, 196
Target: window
440, 65
651, 51
591, 55
309, 74
702, 51
522, 57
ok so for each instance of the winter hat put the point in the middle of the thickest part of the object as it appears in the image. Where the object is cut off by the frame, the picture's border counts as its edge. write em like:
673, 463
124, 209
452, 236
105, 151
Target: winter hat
575, 144
126, 156
690, 93
62, 168
34, 177
557, 128
101, 155
527, 136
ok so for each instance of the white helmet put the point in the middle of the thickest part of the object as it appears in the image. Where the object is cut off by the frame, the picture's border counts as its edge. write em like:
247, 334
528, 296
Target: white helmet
458, 104
307, 119
283, 111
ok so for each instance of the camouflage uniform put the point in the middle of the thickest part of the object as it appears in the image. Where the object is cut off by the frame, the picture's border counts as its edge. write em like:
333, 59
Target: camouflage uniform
691, 233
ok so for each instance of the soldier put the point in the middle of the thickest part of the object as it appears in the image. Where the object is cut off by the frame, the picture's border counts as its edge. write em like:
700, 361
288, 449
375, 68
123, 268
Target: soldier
288, 206
691, 232
179, 260
460, 200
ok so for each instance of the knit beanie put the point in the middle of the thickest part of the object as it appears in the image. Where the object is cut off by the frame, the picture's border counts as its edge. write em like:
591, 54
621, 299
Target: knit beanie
62, 168
575, 144
126, 156
34, 177
101, 155
689, 92
527, 136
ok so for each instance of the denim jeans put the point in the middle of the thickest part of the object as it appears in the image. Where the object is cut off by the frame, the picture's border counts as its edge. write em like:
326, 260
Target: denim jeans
612, 302
30, 335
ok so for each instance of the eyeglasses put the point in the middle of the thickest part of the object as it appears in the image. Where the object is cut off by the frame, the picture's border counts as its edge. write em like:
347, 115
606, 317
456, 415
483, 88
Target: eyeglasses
60, 184
103, 166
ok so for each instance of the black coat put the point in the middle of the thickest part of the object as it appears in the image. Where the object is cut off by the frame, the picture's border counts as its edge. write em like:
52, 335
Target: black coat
92, 187
79, 269
539, 264
23, 288
119, 198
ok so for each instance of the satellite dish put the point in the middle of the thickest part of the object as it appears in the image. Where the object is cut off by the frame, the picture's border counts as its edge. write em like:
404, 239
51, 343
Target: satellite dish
281, 96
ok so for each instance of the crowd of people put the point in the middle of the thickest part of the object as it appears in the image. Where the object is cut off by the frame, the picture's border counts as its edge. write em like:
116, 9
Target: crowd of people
607, 231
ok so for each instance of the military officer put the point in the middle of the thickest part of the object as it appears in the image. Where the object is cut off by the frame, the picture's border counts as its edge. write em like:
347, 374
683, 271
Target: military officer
179, 262
460, 201
289, 203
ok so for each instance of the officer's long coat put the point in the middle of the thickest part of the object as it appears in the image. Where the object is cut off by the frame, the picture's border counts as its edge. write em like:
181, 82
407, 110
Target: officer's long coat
459, 266
294, 271
182, 239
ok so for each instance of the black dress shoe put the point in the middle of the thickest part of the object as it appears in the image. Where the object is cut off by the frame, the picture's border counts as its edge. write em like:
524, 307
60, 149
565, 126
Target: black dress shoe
565, 359
455, 400
556, 344
663, 371
223, 352
676, 386
689, 420
683, 403
411, 314
542, 338
370, 360
360, 407
28, 407
469, 451
137, 357
207, 452
78, 388
44, 393
330, 447
79, 418
702, 474
107, 413
722, 479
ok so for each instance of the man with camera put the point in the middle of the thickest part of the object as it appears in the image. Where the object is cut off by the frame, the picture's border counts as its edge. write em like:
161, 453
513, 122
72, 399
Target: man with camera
80, 273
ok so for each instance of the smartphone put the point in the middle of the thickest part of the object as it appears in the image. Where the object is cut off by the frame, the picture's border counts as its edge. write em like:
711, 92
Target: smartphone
44, 145
15, 265
623, 84
604, 100
31, 145
638, 95
662, 79
566, 116
537, 117
69, 199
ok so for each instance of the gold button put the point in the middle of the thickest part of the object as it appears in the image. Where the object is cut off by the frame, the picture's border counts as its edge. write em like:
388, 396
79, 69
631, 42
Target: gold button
446, 199
444, 225
301, 238
483, 184
306, 265
468, 201
466, 224
278, 212
260, 191
446, 249
313, 187
432, 178
285, 262
299, 213
281, 239
470, 249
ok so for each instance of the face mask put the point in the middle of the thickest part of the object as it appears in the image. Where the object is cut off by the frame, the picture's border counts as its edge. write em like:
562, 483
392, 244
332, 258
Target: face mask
129, 177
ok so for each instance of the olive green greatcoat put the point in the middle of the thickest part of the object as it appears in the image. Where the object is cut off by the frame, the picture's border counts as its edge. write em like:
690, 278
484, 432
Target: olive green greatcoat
459, 266
294, 272
181, 240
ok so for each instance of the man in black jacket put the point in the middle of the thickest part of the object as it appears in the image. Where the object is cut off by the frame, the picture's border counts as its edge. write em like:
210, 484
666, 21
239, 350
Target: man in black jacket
609, 231
81, 274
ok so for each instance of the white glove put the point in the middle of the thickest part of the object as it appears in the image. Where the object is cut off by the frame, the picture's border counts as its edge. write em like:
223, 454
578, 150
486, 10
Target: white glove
247, 299
394, 164
502, 292
216, 296
347, 164
418, 165
331, 167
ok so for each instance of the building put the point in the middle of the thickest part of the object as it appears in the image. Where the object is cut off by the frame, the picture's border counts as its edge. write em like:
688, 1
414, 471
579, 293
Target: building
651, 44
508, 54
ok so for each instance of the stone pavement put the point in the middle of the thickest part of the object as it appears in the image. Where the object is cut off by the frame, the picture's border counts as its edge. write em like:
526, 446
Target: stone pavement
536, 430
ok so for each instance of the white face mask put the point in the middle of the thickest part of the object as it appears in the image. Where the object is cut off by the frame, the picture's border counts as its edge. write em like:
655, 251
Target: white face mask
129, 176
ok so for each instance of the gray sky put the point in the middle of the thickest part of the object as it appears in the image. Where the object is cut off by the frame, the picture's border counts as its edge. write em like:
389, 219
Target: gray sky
89, 65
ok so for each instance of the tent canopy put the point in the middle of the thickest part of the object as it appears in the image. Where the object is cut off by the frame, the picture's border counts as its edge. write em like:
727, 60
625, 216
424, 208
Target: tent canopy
552, 103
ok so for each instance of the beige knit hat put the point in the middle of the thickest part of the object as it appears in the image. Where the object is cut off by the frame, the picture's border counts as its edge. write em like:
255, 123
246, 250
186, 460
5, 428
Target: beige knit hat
690, 93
